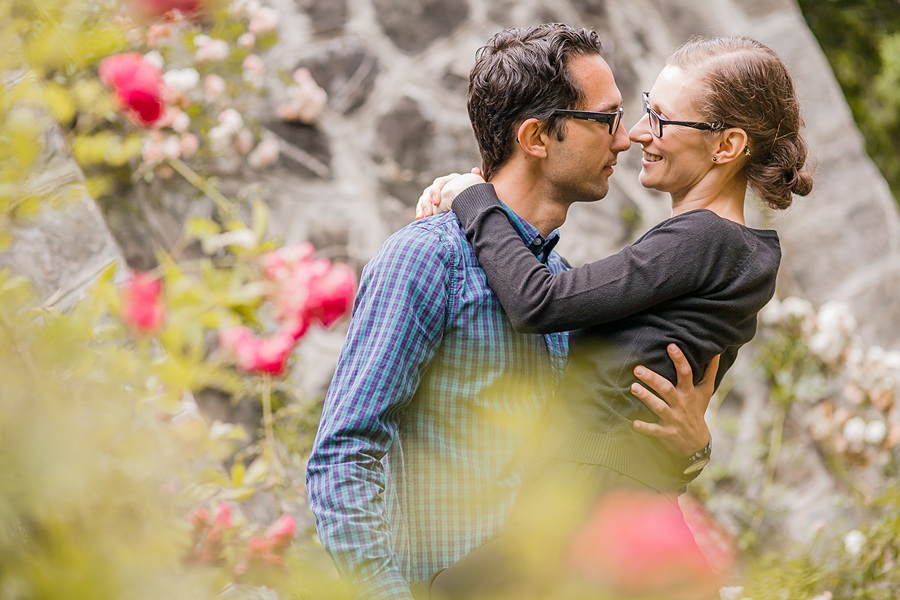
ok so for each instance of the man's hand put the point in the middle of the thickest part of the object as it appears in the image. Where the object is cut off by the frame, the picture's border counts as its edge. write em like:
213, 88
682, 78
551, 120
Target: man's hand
681, 409
438, 197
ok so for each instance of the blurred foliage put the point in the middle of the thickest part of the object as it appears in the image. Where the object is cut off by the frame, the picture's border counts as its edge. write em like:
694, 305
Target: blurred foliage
861, 39
829, 399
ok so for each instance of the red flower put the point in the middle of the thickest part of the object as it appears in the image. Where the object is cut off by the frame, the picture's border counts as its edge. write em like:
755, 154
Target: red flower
258, 355
138, 85
638, 543
223, 517
156, 8
331, 295
305, 289
142, 307
282, 531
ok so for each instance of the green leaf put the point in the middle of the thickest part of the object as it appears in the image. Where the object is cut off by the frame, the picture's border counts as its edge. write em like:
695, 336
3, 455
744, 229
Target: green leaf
59, 102
260, 218
237, 473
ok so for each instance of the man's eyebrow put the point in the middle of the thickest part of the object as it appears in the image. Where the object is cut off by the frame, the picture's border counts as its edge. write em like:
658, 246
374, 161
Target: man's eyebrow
611, 107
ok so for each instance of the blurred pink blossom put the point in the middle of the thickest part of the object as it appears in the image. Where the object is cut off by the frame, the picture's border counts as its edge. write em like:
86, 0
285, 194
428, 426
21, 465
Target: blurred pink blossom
306, 289
638, 543
260, 355
282, 531
265, 154
264, 20
305, 100
138, 85
143, 309
209, 49
213, 87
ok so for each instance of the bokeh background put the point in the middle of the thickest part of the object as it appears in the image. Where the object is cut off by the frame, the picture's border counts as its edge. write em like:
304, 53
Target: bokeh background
283, 122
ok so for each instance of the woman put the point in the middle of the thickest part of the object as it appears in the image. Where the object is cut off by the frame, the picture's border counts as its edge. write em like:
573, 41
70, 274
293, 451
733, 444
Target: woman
722, 116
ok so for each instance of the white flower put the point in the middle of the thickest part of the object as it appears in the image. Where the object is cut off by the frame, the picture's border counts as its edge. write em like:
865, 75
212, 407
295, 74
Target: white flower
265, 154
771, 312
853, 542
855, 430
182, 79
254, 70
306, 100
796, 308
825, 596
213, 87
263, 21
219, 138
180, 121
171, 147
733, 592
243, 142
211, 50
827, 345
876, 431
231, 120
246, 40
836, 316
155, 58
190, 144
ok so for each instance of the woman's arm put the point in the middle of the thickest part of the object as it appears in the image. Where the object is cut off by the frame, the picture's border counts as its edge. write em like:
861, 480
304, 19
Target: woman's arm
672, 260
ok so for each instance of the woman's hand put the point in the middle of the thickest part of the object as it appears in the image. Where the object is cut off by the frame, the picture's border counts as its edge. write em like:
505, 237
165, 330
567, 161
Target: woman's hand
438, 197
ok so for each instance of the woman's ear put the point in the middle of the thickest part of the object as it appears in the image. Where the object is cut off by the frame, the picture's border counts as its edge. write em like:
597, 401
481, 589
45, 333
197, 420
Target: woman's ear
731, 145
531, 136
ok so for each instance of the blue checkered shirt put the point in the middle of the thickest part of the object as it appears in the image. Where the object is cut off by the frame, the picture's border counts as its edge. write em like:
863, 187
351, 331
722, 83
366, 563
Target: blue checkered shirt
427, 422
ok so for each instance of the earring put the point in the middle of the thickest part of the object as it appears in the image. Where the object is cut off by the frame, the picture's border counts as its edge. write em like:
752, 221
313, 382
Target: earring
715, 159
747, 150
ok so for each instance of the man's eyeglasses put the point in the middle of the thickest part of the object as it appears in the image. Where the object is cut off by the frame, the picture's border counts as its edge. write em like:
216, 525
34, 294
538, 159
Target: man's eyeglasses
657, 122
612, 119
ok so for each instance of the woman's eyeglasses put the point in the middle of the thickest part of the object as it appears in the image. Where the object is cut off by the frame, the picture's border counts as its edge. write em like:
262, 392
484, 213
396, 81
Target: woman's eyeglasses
657, 122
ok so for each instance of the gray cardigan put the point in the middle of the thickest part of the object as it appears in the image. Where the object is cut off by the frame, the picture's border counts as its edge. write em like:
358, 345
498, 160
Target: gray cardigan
696, 279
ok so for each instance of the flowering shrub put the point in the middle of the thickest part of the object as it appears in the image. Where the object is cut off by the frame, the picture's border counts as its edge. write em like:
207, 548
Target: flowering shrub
146, 89
108, 453
825, 385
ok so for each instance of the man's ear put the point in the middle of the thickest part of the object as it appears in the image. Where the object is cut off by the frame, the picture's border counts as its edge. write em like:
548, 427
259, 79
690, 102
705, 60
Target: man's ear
531, 136
731, 145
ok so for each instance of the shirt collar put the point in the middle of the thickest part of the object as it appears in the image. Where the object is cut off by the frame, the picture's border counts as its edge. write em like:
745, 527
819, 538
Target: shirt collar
539, 245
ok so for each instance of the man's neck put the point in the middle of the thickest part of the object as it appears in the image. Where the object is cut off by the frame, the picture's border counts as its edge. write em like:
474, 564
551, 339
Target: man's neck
530, 200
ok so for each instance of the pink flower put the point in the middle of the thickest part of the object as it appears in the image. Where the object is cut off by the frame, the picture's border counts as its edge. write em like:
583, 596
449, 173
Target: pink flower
142, 307
638, 543
161, 7
282, 531
223, 517
305, 289
258, 355
331, 295
138, 85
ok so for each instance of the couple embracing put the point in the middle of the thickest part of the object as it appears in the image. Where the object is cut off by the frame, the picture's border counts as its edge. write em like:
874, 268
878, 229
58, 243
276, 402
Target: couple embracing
486, 388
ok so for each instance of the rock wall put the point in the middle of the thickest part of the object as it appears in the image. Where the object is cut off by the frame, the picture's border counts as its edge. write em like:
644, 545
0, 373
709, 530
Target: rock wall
396, 73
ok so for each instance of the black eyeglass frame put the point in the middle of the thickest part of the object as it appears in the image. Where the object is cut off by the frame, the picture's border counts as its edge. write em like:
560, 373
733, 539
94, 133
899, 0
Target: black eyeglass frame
612, 119
661, 121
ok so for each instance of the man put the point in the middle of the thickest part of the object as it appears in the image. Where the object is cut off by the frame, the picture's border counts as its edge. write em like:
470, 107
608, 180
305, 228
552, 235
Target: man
435, 399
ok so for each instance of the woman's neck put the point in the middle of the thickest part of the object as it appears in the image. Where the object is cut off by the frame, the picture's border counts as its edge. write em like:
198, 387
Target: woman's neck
726, 199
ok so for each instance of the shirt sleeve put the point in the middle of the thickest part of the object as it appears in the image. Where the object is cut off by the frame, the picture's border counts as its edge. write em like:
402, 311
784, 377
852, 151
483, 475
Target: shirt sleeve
397, 325
671, 260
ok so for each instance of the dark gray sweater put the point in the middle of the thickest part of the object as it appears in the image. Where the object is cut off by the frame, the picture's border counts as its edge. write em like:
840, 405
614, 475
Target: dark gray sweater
696, 279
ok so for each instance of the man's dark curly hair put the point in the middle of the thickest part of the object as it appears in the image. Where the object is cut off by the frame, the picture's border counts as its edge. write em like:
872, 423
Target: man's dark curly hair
522, 73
